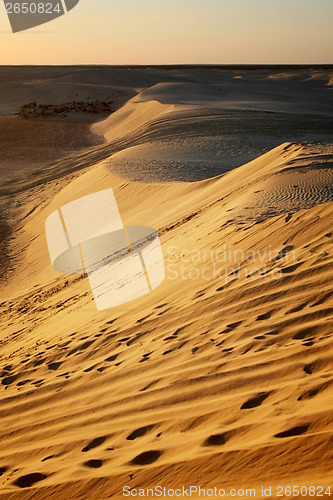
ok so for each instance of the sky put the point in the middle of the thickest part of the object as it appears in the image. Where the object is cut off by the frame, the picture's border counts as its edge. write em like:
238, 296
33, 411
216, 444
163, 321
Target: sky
177, 32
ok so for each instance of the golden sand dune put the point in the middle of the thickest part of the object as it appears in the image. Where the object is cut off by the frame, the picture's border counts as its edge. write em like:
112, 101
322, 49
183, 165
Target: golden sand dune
222, 376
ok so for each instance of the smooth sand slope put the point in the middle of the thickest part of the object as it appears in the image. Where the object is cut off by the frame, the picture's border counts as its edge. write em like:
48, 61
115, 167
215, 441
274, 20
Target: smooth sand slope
222, 376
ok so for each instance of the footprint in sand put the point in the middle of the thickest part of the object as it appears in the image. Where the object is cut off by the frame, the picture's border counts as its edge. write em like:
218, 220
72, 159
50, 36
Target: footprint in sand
38, 383
23, 382
322, 300
247, 348
141, 431
90, 369
232, 326
111, 358
318, 366
287, 249
175, 334
94, 464
94, 443
146, 458
171, 337
134, 339
305, 333
148, 386
141, 320
145, 357
168, 352
256, 401
124, 339
298, 430
81, 347
308, 342
29, 479
111, 321
39, 362
160, 306
54, 346
3, 470
290, 269
54, 366
265, 316
163, 312
216, 440
298, 308
220, 343
308, 369
311, 393
9, 380
181, 345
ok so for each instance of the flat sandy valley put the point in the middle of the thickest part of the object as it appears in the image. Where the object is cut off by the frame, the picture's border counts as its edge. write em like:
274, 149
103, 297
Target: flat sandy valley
223, 375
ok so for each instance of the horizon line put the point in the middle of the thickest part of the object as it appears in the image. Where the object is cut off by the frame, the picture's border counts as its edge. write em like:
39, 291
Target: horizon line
182, 65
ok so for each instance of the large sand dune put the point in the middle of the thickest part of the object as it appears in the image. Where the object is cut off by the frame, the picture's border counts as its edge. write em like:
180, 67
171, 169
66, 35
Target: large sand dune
222, 376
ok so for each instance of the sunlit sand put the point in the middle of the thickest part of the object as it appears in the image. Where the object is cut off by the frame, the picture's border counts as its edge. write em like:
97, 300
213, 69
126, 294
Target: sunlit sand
222, 375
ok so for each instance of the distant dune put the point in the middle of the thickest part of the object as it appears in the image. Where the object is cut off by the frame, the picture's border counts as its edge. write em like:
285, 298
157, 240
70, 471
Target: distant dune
223, 375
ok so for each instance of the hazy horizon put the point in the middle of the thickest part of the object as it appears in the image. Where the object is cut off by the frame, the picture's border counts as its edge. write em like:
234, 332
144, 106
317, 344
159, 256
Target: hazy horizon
231, 66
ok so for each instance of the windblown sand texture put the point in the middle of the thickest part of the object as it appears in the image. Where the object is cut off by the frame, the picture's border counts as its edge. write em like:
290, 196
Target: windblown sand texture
225, 381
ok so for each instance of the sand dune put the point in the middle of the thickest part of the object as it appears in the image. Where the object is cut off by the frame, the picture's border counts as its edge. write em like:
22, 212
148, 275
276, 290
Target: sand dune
222, 376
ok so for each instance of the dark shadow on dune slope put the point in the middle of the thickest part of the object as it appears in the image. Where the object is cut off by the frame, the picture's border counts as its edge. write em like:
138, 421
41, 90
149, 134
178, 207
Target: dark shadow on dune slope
147, 457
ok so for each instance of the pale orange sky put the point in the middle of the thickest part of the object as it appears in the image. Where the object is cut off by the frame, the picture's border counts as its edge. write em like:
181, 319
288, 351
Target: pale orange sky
177, 31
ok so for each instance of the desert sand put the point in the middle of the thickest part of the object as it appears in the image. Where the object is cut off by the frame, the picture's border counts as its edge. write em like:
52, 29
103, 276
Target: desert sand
221, 376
